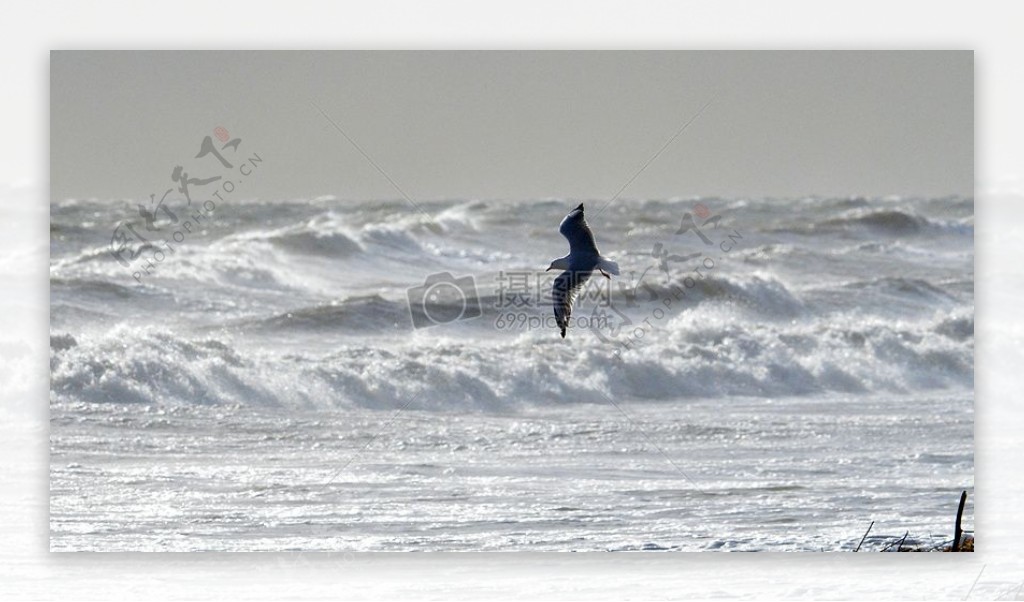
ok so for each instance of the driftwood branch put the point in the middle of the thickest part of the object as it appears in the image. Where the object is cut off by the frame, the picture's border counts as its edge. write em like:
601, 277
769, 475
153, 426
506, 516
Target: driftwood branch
957, 531
899, 548
865, 536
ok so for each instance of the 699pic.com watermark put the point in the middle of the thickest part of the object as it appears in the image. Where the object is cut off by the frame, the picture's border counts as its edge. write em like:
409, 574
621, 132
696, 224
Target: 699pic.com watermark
521, 320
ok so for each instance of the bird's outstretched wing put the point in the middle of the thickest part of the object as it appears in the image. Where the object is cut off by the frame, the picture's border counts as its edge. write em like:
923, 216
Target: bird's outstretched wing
563, 293
574, 227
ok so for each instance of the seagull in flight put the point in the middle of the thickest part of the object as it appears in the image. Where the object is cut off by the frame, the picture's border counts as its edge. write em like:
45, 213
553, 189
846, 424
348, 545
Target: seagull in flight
578, 265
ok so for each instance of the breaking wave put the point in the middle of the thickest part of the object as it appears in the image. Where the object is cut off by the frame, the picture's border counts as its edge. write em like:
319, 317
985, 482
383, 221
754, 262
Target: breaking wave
695, 356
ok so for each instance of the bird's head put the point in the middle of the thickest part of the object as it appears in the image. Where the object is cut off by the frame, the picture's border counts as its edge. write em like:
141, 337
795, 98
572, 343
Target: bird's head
562, 263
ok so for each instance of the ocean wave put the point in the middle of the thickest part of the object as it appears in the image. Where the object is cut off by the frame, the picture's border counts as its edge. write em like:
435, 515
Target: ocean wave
126, 366
95, 289
331, 244
903, 288
698, 355
959, 328
767, 296
889, 222
361, 314
893, 221
393, 238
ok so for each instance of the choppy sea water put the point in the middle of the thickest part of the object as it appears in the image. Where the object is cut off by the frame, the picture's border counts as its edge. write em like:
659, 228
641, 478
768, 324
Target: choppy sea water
763, 375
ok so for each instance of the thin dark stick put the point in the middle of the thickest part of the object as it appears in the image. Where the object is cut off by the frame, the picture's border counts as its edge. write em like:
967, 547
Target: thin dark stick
370, 160
899, 548
957, 531
652, 443
976, 579
651, 160
865, 536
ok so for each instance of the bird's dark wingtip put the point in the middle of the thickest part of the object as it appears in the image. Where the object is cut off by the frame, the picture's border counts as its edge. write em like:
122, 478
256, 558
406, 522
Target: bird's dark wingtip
563, 333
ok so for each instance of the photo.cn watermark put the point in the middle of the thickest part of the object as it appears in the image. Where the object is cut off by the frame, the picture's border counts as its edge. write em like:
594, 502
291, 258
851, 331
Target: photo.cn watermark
142, 245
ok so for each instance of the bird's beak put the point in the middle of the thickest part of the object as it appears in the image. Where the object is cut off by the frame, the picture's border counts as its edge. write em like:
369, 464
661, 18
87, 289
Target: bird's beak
548, 270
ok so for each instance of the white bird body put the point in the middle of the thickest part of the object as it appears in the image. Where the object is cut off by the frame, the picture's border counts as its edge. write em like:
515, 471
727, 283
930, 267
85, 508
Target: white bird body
578, 265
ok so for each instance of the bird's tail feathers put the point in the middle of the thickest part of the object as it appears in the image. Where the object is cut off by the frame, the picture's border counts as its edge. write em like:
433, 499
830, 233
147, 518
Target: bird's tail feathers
608, 266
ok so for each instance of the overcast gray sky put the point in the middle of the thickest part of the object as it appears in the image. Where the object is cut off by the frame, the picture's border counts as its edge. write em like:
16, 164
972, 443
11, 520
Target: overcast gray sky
519, 124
